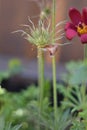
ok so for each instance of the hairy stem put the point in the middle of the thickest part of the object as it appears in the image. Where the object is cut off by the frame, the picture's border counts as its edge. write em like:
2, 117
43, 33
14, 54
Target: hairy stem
54, 90
54, 65
41, 76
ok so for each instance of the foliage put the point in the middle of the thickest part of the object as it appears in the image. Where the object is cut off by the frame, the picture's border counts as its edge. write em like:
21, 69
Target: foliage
23, 107
77, 72
7, 126
75, 98
14, 67
78, 125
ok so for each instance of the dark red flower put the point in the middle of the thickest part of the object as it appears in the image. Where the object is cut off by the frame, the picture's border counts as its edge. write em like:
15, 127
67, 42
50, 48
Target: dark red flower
78, 26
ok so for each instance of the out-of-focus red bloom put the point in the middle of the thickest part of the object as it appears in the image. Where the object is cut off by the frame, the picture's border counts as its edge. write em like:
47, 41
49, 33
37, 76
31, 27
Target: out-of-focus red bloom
78, 26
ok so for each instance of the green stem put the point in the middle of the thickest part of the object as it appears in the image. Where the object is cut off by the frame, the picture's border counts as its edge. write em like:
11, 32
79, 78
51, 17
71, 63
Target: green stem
54, 90
53, 17
41, 76
85, 51
54, 65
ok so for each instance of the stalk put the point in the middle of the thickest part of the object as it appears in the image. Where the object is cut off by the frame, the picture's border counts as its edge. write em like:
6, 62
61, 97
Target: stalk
85, 51
54, 89
54, 65
40, 79
41, 76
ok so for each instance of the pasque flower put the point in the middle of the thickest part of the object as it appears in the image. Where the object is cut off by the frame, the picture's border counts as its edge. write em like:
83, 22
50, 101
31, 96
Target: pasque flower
42, 36
78, 25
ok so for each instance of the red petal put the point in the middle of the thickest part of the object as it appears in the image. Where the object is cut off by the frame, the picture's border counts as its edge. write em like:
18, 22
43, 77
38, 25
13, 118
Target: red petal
84, 15
75, 16
70, 26
70, 34
84, 38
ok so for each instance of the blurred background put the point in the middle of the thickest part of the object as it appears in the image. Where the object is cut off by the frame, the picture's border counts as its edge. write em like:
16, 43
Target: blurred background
13, 13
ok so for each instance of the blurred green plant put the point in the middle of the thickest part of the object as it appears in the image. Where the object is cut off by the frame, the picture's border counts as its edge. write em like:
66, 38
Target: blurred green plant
46, 119
78, 125
14, 67
75, 97
23, 108
77, 73
7, 126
